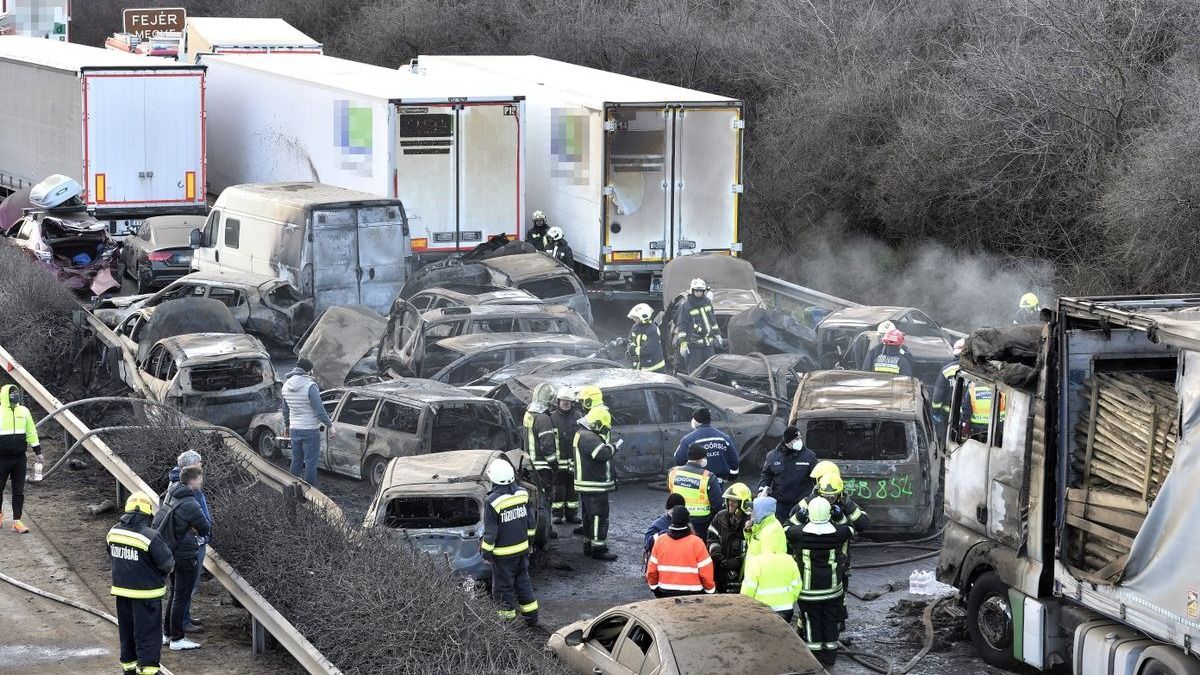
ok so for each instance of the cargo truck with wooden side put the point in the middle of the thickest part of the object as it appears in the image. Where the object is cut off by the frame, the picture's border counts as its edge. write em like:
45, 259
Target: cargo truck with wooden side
131, 130
242, 35
635, 172
1073, 459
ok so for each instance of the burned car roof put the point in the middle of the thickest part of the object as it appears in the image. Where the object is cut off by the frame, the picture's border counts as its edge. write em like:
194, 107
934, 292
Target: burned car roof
477, 342
212, 346
452, 466
753, 364
187, 316
495, 310
718, 270
424, 393
524, 266
851, 389
233, 278
627, 377
867, 315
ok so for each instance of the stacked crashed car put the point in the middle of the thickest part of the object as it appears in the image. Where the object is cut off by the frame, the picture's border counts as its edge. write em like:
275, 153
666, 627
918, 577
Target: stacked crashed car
466, 358
192, 355
402, 348
59, 233
459, 295
545, 365
375, 423
682, 636
844, 337
652, 412
733, 287
754, 375
436, 503
269, 308
158, 252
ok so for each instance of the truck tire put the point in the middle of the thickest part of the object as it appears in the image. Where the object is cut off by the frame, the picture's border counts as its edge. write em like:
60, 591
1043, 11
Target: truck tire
989, 621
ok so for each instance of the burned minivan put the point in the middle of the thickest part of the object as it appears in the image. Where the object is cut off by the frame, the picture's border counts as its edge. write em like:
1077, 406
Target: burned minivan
374, 423
877, 429
436, 502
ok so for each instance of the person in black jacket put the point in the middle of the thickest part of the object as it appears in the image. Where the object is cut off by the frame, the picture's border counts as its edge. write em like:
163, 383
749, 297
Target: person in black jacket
180, 521
817, 546
594, 447
140, 562
508, 527
18, 435
787, 473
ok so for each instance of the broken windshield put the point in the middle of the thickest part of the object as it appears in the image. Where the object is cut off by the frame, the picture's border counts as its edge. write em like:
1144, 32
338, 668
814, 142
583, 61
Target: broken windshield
857, 439
432, 512
468, 425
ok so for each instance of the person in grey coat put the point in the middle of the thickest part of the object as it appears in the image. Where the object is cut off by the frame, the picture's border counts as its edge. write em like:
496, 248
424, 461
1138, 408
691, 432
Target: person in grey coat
304, 420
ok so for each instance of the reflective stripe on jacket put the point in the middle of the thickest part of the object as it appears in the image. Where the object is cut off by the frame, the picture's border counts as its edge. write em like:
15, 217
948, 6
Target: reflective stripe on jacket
766, 536
773, 579
695, 321
646, 344
508, 524
593, 462
541, 440
139, 557
821, 561
17, 430
696, 485
680, 564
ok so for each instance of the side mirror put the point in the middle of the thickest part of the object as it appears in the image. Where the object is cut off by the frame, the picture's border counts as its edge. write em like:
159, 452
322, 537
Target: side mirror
195, 238
574, 638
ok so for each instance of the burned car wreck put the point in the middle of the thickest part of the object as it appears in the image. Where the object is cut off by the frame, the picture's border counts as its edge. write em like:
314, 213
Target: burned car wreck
435, 503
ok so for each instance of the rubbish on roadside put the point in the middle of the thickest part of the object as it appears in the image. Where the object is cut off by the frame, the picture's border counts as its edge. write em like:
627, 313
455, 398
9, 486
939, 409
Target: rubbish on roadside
37, 470
97, 509
73, 464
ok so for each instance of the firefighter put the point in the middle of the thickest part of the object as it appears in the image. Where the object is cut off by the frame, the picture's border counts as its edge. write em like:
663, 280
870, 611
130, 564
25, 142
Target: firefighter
817, 546
773, 578
645, 342
679, 564
18, 436
508, 528
697, 335
787, 472
943, 392
541, 436
594, 447
844, 511
726, 537
565, 417
701, 489
892, 358
1029, 309
722, 454
876, 343
537, 235
558, 248
140, 563
977, 409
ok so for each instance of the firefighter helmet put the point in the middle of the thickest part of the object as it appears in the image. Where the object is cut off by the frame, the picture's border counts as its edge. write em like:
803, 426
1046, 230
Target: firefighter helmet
591, 397
543, 396
738, 492
555, 233
597, 419
138, 502
819, 510
698, 284
883, 328
539, 216
500, 472
893, 338
825, 468
1030, 303
568, 393
830, 486
641, 312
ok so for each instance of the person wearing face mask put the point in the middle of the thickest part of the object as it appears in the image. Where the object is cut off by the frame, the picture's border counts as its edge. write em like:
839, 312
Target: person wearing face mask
787, 473
718, 446
701, 490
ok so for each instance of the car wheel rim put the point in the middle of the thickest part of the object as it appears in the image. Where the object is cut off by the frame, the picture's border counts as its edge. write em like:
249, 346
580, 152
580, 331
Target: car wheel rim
995, 622
266, 444
377, 472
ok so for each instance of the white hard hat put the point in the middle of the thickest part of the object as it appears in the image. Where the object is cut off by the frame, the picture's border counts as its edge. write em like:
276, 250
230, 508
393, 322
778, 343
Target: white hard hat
698, 284
539, 215
641, 312
884, 327
501, 472
554, 233
567, 393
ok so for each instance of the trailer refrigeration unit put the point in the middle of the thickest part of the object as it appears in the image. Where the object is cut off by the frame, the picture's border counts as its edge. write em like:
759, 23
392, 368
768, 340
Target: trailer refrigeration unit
453, 153
634, 172
130, 129
1073, 457
222, 35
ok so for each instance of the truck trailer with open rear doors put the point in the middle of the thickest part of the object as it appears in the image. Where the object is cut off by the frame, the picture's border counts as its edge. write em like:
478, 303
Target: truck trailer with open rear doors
635, 172
242, 35
453, 153
131, 130
1073, 456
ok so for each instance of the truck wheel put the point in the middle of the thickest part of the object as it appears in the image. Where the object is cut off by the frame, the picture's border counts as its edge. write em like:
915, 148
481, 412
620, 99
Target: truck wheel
265, 444
990, 621
373, 470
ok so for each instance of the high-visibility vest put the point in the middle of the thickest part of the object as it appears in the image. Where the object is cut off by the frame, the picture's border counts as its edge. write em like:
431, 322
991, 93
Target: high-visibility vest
773, 579
16, 425
981, 404
684, 480
888, 364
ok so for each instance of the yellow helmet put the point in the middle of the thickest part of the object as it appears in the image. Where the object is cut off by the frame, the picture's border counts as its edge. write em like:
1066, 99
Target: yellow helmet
825, 468
830, 486
738, 492
597, 419
590, 396
1030, 302
138, 502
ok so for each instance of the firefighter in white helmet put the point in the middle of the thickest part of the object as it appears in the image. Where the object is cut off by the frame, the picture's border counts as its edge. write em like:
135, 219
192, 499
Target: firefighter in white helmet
508, 530
645, 342
558, 248
697, 335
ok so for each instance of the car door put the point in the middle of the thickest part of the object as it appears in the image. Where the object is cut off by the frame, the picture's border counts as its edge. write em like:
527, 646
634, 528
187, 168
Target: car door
395, 431
641, 454
637, 650
675, 408
157, 369
474, 366
348, 439
234, 299
597, 652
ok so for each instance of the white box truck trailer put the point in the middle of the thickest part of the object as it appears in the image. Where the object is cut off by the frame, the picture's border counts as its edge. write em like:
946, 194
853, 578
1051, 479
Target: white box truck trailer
130, 129
223, 35
453, 154
635, 172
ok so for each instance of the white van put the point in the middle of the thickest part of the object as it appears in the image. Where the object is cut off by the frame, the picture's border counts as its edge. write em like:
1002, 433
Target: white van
338, 246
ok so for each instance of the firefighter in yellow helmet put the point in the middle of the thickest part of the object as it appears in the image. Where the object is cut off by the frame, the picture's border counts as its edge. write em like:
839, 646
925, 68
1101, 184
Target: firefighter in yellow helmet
726, 537
140, 562
1029, 309
595, 446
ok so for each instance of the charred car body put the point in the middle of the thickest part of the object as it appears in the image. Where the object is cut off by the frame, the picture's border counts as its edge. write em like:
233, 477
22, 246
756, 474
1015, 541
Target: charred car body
877, 429
59, 233
460, 295
436, 503
844, 337
463, 359
375, 423
269, 308
545, 365
773, 375
402, 347
653, 411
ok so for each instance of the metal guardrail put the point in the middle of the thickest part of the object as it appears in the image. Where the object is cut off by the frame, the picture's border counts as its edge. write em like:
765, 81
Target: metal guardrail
262, 611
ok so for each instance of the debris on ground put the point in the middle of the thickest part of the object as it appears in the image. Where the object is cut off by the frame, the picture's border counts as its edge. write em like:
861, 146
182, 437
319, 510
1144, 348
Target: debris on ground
949, 626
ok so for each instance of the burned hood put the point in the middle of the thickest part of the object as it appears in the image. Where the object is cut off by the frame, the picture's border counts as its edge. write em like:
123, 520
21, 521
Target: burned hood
451, 271
771, 331
184, 316
338, 340
720, 271
456, 471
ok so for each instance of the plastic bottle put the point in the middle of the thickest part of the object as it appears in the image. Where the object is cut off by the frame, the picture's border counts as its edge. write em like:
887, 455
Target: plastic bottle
37, 470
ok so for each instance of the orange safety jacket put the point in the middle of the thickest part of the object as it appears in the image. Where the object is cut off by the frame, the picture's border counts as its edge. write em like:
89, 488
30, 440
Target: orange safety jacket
680, 565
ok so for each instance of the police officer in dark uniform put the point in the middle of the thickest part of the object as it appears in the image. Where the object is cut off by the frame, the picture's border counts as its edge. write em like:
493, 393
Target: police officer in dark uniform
786, 473
140, 563
508, 528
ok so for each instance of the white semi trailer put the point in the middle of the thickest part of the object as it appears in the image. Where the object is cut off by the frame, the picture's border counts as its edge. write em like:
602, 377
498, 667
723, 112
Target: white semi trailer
454, 154
635, 172
130, 129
